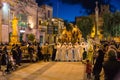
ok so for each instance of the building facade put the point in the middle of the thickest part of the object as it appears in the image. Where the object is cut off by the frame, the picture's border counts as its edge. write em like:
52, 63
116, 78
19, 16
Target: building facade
30, 16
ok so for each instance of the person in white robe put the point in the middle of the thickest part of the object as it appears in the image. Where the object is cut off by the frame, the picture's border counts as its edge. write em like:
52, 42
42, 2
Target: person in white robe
80, 51
76, 52
58, 53
70, 52
63, 52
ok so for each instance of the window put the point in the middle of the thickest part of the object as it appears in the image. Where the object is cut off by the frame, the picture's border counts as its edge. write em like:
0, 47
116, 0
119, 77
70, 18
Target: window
48, 13
41, 39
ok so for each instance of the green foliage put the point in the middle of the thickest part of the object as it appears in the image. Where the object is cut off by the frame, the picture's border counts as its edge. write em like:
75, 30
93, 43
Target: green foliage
85, 25
23, 24
31, 37
111, 24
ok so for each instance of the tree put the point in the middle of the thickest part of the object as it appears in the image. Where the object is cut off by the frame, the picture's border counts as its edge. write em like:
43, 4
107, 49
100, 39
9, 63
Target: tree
85, 25
107, 24
31, 37
116, 23
111, 24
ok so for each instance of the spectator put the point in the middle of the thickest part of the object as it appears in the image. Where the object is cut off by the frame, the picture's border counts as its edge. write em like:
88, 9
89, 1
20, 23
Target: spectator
54, 52
111, 67
30, 52
45, 52
15, 55
19, 55
39, 53
84, 54
88, 69
4, 59
98, 64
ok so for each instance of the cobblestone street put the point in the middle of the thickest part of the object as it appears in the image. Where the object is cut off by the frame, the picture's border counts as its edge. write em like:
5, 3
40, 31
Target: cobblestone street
50, 71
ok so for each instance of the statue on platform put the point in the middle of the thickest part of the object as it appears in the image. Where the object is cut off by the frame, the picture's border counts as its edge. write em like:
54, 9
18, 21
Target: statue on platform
74, 35
14, 37
14, 26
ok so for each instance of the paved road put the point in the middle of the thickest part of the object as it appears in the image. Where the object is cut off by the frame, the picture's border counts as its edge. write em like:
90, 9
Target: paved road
50, 71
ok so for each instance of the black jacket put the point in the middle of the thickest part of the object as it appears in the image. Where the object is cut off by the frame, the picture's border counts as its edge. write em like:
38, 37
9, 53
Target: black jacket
111, 69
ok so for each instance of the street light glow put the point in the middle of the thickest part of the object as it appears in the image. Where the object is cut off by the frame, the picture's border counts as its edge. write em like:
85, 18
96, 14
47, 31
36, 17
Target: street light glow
5, 7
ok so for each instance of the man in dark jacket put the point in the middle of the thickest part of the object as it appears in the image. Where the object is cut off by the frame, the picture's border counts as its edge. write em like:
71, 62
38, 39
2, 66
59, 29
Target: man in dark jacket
39, 53
19, 55
111, 67
54, 52
98, 64
30, 52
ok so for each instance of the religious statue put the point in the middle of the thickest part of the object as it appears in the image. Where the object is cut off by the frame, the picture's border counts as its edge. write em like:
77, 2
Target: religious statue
14, 37
14, 26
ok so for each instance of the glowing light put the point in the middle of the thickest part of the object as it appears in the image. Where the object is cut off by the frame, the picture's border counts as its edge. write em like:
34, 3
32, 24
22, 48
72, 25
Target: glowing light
22, 31
93, 33
5, 7
30, 21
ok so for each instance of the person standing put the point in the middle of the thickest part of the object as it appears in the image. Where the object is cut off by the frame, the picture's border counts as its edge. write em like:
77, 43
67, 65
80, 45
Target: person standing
112, 67
39, 53
84, 54
54, 52
0, 56
90, 54
70, 54
15, 55
19, 55
5, 60
76, 52
46, 52
63, 52
88, 69
58, 52
98, 64
30, 52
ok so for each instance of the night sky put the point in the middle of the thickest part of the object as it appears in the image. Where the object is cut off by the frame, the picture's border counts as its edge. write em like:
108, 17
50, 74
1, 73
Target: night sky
69, 9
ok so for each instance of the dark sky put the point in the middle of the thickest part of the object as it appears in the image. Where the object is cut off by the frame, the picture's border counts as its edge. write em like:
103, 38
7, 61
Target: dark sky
69, 9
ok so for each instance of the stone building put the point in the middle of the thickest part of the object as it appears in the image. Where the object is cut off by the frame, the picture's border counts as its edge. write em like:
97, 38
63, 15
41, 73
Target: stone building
29, 15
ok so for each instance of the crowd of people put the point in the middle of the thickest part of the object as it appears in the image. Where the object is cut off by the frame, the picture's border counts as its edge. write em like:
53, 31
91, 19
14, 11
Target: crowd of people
97, 57
10, 59
102, 58
105, 63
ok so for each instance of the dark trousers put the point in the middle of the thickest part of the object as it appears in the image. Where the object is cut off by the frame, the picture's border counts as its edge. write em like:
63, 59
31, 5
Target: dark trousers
39, 55
53, 56
0, 65
97, 77
31, 57
88, 75
46, 57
